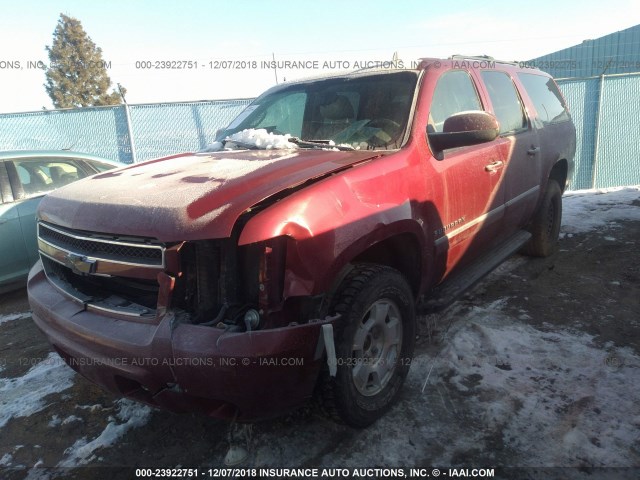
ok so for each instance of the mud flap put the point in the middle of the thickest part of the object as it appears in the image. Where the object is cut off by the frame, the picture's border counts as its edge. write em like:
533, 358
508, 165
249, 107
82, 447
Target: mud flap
327, 336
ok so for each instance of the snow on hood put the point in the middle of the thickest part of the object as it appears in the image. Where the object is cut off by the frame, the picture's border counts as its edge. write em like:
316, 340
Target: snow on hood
252, 137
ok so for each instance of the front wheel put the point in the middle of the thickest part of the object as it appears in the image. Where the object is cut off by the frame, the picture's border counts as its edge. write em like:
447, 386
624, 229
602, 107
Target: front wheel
374, 344
545, 225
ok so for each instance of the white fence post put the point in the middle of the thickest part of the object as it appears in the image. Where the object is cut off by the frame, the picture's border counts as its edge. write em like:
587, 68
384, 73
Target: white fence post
594, 171
132, 143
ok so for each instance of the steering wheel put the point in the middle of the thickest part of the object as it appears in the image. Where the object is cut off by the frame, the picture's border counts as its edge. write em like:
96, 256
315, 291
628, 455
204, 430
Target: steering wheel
388, 131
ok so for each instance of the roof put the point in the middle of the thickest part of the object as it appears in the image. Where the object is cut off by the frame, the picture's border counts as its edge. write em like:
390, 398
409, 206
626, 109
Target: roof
456, 61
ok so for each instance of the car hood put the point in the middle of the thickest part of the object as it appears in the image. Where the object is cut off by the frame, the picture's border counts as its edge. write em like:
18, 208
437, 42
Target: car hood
187, 197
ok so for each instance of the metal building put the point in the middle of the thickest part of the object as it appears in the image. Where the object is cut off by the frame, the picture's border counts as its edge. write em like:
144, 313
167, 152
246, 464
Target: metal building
600, 79
615, 53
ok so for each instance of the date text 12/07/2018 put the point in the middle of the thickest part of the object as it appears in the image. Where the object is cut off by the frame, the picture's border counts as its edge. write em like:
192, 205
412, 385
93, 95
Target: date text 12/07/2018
268, 65
312, 472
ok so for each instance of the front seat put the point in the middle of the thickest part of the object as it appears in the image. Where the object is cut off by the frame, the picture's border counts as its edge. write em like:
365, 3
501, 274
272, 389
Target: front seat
56, 175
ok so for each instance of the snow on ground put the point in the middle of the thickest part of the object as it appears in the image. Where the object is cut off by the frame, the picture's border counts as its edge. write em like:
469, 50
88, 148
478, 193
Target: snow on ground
252, 137
14, 316
55, 420
554, 395
23, 396
130, 415
550, 398
587, 210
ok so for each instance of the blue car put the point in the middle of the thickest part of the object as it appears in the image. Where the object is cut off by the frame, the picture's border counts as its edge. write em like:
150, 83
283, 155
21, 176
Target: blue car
25, 177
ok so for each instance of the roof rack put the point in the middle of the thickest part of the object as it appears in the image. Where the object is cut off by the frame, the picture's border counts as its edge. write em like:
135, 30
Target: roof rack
485, 58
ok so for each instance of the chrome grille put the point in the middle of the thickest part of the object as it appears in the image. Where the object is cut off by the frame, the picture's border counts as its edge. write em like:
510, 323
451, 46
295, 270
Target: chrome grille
135, 251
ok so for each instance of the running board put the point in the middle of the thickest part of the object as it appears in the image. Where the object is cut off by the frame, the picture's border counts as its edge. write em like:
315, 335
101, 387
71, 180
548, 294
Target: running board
448, 291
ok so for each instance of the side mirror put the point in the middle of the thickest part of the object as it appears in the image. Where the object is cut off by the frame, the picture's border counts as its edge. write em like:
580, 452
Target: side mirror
464, 129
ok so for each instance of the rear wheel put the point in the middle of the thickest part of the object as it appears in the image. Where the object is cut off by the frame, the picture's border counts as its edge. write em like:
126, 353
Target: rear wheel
545, 225
374, 344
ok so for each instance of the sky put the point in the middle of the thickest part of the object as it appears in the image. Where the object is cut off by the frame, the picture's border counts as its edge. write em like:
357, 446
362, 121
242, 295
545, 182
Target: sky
229, 41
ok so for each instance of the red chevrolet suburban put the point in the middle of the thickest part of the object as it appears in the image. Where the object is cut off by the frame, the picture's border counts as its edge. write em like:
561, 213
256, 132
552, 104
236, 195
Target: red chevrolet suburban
292, 257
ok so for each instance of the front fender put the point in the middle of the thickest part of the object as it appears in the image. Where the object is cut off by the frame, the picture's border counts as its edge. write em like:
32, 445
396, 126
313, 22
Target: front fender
328, 224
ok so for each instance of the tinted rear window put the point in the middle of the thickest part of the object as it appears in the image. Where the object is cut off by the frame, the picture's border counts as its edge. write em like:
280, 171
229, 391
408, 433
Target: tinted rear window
546, 97
505, 100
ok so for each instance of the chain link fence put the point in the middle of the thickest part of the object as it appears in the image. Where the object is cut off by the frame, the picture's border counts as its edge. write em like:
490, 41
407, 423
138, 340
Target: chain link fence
126, 133
605, 111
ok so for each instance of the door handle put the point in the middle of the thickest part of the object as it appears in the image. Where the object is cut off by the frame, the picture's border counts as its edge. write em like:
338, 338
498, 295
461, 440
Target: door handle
493, 166
533, 150
3, 220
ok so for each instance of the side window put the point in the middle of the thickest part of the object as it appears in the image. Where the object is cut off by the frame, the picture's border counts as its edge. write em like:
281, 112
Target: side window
454, 93
6, 195
3, 179
101, 167
32, 182
41, 176
506, 102
546, 97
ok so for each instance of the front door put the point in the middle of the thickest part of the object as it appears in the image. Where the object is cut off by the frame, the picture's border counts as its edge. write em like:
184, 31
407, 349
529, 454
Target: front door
471, 206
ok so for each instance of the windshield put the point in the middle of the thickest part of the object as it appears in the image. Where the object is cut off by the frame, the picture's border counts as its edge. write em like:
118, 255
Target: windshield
367, 112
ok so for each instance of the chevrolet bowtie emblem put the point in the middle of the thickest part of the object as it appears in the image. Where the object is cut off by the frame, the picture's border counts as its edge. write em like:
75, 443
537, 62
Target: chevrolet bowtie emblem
80, 264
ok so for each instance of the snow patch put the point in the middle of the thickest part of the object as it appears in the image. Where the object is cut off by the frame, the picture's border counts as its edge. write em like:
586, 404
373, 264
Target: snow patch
14, 316
24, 396
91, 408
71, 419
55, 421
130, 415
587, 210
554, 395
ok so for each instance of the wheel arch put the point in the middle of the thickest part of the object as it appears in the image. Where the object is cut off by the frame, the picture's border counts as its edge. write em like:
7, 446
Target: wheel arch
402, 251
559, 172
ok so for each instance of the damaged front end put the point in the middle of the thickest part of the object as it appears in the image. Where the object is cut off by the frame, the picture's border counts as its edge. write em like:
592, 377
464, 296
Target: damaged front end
194, 325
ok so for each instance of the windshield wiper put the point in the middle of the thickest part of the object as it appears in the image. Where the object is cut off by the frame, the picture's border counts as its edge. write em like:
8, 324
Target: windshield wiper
318, 144
248, 146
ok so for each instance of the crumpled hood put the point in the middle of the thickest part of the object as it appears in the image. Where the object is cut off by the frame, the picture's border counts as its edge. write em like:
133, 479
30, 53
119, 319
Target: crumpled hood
187, 197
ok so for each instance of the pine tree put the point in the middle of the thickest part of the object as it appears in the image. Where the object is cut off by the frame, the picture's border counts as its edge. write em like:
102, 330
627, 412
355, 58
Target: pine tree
77, 75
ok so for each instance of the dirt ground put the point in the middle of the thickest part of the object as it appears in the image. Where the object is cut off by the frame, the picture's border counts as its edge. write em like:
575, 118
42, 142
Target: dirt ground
591, 285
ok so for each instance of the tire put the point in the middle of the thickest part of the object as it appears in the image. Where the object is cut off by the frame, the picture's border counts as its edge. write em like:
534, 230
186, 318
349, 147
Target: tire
375, 340
545, 225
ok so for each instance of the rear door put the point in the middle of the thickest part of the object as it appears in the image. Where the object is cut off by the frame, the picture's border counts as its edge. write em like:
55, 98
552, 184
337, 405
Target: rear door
519, 149
14, 260
551, 119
